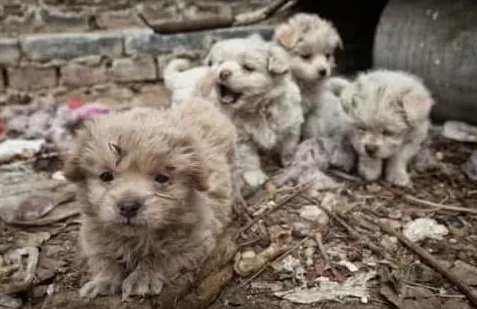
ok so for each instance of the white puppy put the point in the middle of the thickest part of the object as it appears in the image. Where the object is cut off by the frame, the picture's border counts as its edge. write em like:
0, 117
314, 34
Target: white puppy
181, 78
255, 89
389, 111
311, 43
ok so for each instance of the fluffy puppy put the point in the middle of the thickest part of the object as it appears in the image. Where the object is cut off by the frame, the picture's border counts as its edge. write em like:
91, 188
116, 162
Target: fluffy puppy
181, 78
311, 42
389, 113
254, 88
155, 188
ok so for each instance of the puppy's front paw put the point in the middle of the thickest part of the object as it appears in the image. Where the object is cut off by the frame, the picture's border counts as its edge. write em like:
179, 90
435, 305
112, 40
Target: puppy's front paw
369, 174
142, 283
97, 287
399, 178
255, 179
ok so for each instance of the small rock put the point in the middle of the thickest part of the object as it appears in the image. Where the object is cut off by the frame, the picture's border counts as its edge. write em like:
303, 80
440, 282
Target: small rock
423, 228
237, 299
301, 229
314, 214
373, 188
9, 302
395, 214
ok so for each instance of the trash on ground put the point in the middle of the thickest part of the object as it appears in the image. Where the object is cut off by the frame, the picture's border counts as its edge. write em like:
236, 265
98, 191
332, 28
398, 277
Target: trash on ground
423, 228
355, 286
19, 149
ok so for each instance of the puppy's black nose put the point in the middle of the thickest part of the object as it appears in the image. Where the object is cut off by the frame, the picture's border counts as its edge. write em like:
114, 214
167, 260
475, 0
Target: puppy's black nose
224, 74
371, 149
128, 207
322, 72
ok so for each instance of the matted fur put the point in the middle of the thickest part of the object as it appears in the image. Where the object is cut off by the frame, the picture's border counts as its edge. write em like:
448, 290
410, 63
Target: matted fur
178, 163
255, 89
389, 114
311, 42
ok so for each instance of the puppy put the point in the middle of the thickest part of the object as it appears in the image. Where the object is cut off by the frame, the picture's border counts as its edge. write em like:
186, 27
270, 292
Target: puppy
389, 113
181, 78
311, 42
155, 188
255, 90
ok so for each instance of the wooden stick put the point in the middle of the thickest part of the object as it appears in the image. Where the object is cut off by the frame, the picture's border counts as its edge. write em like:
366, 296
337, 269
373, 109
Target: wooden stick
279, 204
431, 261
426, 203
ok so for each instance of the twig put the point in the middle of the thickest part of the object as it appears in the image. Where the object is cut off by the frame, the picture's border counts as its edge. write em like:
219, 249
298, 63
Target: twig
278, 258
344, 175
351, 231
278, 205
431, 261
426, 203
319, 243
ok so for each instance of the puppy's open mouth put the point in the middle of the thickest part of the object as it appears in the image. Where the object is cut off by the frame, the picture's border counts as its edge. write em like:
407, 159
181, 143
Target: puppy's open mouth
227, 95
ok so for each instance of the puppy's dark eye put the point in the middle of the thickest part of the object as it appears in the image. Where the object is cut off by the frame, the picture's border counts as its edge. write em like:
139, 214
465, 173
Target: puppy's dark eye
107, 176
209, 63
161, 178
328, 56
305, 56
248, 68
388, 133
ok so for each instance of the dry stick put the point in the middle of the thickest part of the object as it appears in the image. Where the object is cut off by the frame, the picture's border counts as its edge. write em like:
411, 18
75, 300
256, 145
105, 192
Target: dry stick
351, 231
278, 205
278, 258
422, 202
319, 243
431, 261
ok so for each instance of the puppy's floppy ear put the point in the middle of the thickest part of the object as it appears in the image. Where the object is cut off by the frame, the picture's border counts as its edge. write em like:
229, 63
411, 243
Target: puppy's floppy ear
277, 62
416, 107
72, 167
187, 158
286, 36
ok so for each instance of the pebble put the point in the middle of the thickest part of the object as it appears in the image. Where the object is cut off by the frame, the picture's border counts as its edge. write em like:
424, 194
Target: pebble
237, 299
314, 214
301, 229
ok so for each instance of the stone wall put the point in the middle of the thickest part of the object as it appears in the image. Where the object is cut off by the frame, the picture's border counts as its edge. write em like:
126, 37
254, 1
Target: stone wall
40, 16
41, 61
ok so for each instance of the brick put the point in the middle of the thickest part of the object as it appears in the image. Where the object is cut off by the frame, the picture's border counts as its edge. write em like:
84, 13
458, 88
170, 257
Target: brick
145, 41
80, 74
10, 54
41, 47
32, 77
134, 69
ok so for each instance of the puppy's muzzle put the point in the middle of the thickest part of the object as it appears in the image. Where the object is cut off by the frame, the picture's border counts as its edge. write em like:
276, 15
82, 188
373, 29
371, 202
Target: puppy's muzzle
225, 74
371, 149
129, 207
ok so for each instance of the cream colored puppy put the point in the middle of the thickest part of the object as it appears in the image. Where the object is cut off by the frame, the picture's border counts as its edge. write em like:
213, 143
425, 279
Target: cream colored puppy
255, 89
180, 77
389, 111
155, 189
311, 42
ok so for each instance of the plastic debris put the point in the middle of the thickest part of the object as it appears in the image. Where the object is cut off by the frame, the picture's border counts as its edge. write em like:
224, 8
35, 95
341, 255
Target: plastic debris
11, 149
355, 286
423, 228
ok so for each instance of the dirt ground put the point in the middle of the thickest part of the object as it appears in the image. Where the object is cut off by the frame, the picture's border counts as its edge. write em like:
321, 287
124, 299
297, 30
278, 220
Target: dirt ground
347, 233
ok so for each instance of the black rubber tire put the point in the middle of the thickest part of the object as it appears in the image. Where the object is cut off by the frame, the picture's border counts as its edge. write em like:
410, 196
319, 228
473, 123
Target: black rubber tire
436, 40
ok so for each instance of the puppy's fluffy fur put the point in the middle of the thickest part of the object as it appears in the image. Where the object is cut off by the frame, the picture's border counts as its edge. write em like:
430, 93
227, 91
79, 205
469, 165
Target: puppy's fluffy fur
389, 113
254, 88
311, 42
181, 78
156, 189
